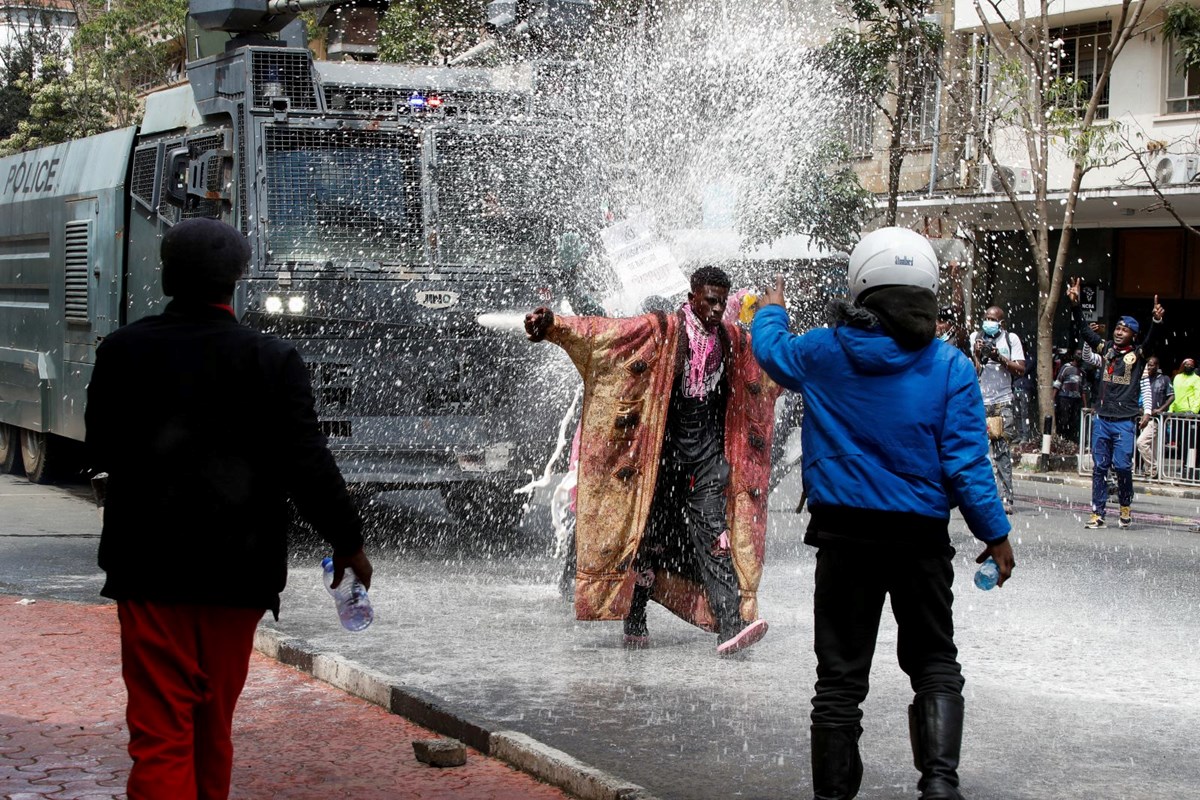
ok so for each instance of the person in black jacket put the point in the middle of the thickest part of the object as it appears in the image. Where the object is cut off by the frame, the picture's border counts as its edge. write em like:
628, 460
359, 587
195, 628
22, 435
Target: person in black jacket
1122, 406
205, 429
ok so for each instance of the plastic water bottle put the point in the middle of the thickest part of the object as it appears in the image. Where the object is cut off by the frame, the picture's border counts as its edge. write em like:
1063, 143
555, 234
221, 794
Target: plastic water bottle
353, 605
987, 575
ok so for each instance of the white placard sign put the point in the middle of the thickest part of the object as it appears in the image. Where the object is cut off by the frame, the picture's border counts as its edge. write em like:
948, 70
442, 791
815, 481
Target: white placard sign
642, 263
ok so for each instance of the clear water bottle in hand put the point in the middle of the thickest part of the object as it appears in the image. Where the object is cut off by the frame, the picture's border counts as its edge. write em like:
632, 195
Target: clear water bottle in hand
353, 605
987, 575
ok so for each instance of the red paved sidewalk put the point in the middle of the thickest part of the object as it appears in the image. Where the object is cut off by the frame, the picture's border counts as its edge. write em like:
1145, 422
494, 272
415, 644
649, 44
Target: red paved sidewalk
63, 734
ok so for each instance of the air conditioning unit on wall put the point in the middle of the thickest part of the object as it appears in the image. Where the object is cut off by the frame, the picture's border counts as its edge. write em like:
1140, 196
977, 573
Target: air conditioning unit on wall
1171, 170
1020, 179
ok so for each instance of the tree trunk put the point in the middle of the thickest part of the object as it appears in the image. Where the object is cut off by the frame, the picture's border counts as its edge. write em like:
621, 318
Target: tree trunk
896, 147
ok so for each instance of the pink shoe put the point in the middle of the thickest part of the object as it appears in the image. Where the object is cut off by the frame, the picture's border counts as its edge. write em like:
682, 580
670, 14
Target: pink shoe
748, 636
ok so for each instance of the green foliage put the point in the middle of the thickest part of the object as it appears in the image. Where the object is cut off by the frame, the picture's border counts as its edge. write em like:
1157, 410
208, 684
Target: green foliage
862, 62
23, 56
824, 200
115, 52
129, 42
843, 204
885, 36
887, 58
66, 104
403, 38
312, 30
428, 31
1181, 24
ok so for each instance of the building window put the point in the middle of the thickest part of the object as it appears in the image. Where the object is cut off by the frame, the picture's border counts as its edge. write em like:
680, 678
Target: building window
1183, 85
923, 107
860, 132
1082, 50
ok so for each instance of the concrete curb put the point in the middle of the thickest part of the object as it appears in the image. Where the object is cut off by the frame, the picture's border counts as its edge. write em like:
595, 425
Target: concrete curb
512, 747
1085, 482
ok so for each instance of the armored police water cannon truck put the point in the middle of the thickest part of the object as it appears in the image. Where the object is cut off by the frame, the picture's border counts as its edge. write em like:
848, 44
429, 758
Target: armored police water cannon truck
387, 207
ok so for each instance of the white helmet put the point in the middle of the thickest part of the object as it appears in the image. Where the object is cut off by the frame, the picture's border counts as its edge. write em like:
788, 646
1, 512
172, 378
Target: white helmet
892, 257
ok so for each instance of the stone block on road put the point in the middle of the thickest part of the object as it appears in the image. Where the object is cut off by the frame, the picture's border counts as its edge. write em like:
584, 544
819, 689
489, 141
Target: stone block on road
440, 752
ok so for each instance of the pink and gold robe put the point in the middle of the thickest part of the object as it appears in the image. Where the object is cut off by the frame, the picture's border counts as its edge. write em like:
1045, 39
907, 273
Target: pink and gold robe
628, 367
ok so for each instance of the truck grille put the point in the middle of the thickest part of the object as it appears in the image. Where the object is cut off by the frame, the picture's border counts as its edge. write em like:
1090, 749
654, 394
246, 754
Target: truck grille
333, 386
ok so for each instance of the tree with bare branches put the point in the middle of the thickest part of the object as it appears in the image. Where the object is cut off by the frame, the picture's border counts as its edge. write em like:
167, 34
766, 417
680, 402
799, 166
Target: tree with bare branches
1032, 100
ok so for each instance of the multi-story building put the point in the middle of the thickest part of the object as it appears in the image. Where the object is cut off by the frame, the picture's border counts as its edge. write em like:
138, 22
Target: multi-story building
1126, 243
18, 17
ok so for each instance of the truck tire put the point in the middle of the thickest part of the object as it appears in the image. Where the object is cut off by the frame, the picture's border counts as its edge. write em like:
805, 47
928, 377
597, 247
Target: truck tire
487, 506
10, 450
38, 455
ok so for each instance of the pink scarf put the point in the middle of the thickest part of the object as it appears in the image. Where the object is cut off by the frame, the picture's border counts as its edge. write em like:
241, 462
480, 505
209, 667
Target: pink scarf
704, 356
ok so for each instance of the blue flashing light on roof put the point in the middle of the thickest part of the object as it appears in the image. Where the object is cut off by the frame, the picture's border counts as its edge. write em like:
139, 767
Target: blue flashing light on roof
416, 100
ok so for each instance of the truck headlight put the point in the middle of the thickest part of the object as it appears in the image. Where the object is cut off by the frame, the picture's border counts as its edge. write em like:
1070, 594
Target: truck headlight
275, 304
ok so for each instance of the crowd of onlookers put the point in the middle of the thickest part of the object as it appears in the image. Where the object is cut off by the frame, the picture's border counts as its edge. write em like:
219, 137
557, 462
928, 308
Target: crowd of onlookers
1075, 386
1009, 383
1172, 392
1075, 382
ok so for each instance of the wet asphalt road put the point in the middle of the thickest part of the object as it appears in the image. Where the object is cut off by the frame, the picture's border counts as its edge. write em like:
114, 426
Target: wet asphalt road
1081, 673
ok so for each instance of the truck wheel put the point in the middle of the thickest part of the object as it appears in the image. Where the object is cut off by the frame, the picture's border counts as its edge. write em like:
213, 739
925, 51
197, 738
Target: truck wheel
490, 506
10, 450
37, 456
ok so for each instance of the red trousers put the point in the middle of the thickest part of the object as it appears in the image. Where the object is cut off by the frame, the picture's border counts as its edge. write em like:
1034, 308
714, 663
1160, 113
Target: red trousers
184, 668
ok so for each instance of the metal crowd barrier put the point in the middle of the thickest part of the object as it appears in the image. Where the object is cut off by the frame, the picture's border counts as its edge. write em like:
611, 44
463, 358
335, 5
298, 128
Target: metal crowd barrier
1176, 449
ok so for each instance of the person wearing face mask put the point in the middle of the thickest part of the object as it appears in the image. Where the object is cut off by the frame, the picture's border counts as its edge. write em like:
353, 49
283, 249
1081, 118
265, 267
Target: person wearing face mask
1187, 389
1123, 402
951, 327
999, 358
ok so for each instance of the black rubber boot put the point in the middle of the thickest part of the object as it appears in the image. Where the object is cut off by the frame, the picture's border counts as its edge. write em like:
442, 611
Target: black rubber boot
637, 634
836, 766
935, 723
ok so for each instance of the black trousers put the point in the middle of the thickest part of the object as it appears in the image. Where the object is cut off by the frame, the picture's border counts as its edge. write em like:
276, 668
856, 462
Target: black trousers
686, 521
851, 583
1066, 417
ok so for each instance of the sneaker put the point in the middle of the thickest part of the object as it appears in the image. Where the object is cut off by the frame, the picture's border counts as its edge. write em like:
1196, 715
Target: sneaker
1095, 522
1008, 508
1126, 518
743, 638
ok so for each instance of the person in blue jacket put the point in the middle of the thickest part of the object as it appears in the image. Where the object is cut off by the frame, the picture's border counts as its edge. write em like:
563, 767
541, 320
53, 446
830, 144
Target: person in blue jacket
893, 438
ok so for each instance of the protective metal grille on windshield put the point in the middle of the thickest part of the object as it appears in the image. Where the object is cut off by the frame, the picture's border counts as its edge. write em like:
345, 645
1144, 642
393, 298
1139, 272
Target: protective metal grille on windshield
502, 198
349, 199
166, 210
283, 75
561, 87
145, 169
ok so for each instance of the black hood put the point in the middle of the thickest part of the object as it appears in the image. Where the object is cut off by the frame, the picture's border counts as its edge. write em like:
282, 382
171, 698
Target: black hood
908, 314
